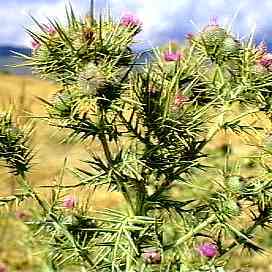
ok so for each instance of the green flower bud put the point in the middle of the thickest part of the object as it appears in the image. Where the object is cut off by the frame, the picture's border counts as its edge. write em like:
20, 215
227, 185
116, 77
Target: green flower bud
91, 80
213, 35
231, 207
234, 184
230, 47
63, 104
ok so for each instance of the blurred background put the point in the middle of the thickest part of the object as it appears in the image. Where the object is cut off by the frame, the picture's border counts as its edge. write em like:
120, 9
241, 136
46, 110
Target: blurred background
163, 20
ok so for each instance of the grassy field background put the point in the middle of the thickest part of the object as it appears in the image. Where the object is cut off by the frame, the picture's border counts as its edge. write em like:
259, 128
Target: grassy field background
22, 91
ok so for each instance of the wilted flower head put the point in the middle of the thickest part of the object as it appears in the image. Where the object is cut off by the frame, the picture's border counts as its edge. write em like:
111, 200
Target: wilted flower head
152, 256
172, 56
208, 250
35, 44
3, 268
49, 29
69, 202
131, 20
266, 60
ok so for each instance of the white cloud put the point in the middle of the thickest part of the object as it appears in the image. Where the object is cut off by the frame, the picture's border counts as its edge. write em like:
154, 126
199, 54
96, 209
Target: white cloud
163, 19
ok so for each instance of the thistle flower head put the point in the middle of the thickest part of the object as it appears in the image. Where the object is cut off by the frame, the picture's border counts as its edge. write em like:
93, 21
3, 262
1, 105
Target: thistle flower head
214, 21
266, 60
172, 56
49, 29
69, 202
209, 250
131, 20
152, 256
35, 44
3, 268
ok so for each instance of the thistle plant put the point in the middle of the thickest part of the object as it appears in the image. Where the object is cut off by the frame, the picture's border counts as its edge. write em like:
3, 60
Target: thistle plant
186, 208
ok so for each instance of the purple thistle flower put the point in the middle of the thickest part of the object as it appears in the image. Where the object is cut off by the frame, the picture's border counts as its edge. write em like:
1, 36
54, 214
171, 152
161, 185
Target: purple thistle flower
172, 56
3, 268
69, 202
131, 20
49, 29
35, 44
152, 257
266, 60
214, 21
209, 250
213, 24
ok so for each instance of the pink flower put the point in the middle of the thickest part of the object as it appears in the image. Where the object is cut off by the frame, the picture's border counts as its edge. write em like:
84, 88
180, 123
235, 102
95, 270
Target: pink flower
21, 215
214, 21
208, 250
180, 100
35, 44
49, 29
69, 202
189, 36
266, 60
213, 24
172, 56
131, 20
152, 257
3, 268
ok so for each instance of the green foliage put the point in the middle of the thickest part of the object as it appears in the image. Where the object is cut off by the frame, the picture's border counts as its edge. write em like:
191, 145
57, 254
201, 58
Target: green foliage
15, 151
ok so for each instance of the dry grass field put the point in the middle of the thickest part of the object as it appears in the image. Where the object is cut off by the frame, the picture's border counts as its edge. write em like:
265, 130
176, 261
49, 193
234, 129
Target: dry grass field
50, 152
49, 159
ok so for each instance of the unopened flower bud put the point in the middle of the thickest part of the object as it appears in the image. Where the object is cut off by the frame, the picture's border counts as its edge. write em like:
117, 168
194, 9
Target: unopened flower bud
234, 184
231, 207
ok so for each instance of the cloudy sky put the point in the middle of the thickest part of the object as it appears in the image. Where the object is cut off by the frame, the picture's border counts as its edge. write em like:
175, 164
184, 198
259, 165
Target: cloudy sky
163, 19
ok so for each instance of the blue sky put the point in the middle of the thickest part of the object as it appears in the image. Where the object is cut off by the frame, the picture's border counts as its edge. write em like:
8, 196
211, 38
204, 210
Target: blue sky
163, 19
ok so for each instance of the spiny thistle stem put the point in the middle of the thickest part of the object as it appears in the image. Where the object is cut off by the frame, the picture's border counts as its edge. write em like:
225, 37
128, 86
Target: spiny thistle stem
194, 231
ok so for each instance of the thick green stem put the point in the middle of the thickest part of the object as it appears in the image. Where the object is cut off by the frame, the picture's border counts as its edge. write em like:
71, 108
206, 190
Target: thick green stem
194, 231
108, 155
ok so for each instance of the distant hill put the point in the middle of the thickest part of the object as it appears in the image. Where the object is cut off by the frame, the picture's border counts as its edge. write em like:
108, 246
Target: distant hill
8, 59
6, 50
